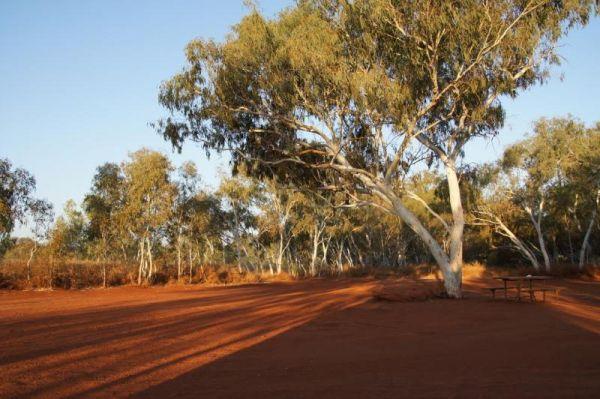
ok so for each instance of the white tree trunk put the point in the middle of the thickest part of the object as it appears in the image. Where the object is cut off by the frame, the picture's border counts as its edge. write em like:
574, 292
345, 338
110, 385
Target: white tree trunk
537, 224
151, 268
141, 267
280, 253
454, 285
452, 280
190, 262
520, 246
588, 233
31, 254
179, 257
315, 252
237, 239
325, 246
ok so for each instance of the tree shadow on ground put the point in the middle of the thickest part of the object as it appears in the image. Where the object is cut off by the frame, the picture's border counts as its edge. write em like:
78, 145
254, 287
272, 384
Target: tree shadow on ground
122, 347
309, 339
439, 348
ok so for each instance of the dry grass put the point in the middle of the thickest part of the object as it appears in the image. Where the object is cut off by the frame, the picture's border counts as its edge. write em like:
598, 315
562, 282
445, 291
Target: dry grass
76, 274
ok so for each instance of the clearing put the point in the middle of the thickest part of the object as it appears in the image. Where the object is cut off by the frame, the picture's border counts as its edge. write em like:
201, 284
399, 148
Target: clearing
319, 338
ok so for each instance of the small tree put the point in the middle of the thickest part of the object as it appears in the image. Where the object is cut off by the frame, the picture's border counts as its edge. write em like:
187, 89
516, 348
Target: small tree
41, 216
241, 194
185, 207
149, 196
16, 188
277, 217
102, 205
207, 226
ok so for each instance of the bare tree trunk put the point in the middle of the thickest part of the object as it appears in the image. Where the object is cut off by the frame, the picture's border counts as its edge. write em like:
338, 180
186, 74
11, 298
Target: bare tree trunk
570, 242
280, 253
325, 246
151, 268
31, 254
349, 258
358, 252
502, 229
315, 251
537, 224
588, 233
237, 239
451, 279
211, 250
340, 253
141, 254
179, 257
454, 275
190, 262
522, 248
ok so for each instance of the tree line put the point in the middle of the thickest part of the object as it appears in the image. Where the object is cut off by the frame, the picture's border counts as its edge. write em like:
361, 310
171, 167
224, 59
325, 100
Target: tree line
537, 205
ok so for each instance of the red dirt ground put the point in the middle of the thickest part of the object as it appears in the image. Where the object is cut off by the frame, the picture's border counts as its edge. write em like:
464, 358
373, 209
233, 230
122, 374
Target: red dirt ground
298, 340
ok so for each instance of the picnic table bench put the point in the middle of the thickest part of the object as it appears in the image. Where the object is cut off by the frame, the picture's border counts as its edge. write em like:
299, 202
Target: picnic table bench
528, 288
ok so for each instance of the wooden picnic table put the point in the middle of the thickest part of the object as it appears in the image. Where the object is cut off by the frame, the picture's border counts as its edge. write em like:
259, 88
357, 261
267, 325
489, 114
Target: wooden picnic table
519, 286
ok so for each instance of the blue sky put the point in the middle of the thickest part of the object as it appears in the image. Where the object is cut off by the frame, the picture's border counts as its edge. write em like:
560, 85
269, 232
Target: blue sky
79, 83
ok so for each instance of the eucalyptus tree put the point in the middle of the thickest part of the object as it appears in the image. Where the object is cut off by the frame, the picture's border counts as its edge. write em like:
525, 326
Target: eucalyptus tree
550, 181
207, 226
506, 219
16, 197
184, 208
277, 211
367, 89
583, 176
314, 214
17, 205
148, 204
102, 206
41, 216
68, 236
242, 196
536, 165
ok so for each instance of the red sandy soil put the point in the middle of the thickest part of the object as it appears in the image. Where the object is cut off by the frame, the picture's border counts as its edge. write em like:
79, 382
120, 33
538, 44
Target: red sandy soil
324, 339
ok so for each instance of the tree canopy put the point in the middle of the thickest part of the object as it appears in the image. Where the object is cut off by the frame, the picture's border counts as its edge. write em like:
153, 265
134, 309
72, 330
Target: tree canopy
17, 202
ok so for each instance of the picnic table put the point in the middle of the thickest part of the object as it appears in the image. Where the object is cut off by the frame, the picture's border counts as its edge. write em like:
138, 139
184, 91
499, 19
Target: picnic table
519, 286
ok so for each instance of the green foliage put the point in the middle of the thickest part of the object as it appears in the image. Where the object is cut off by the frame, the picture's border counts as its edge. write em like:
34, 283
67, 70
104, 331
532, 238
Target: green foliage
17, 204
355, 94
102, 206
68, 237
551, 178
355, 68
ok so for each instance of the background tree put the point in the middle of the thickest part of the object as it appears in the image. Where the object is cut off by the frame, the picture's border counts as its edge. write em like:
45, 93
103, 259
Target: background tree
544, 181
277, 217
186, 205
16, 188
367, 89
206, 229
68, 237
102, 205
241, 194
149, 196
41, 217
